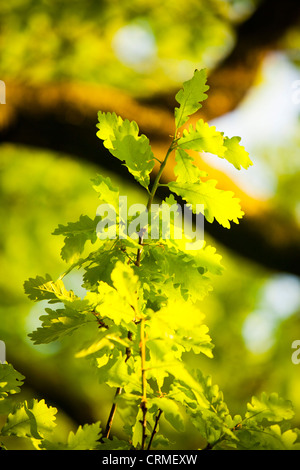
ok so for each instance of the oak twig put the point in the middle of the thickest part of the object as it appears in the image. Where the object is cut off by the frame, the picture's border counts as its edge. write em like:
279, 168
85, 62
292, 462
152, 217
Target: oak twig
118, 392
112, 413
155, 428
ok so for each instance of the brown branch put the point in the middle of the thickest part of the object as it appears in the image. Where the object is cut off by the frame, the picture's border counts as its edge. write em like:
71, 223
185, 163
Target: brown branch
155, 428
143, 405
118, 392
112, 413
232, 78
63, 118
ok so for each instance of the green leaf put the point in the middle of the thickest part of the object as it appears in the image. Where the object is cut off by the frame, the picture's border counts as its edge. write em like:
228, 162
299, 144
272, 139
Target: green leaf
236, 153
44, 288
137, 156
40, 288
85, 438
287, 438
268, 438
213, 421
126, 282
58, 324
106, 339
185, 170
114, 444
214, 395
77, 234
30, 419
218, 204
137, 430
171, 410
179, 332
118, 372
270, 407
187, 274
161, 357
202, 138
108, 125
110, 304
123, 141
199, 341
101, 267
121, 302
190, 96
107, 192
190, 384
10, 380
208, 259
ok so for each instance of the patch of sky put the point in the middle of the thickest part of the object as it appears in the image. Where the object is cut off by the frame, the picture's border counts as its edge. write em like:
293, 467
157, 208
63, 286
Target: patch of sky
279, 299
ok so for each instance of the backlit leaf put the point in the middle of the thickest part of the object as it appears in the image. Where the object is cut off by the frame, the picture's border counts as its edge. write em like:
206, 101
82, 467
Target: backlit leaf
30, 419
185, 170
76, 235
190, 97
202, 138
10, 380
236, 153
124, 142
270, 407
218, 204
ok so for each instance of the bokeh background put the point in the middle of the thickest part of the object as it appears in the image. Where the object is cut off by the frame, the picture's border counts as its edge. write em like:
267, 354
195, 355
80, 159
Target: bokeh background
63, 61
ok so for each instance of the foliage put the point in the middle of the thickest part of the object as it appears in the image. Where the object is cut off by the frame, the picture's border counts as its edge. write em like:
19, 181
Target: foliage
140, 307
85, 41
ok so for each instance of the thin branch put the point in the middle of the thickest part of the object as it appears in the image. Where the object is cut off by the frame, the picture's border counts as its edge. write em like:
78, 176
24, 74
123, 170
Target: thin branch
112, 413
143, 405
144, 382
152, 194
118, 392
155, 428
142, 342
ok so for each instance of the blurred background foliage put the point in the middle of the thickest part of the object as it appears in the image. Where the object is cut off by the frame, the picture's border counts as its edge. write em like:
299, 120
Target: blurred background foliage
128, 44
145, 50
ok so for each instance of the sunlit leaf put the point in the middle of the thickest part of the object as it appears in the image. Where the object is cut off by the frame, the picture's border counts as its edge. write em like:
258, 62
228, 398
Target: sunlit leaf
202, 138
236, 154
190, 97
124, 142
10, 380
30, 419
218, 204
270, 407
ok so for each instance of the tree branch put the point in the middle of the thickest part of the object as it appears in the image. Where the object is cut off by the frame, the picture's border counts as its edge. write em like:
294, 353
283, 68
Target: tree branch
63, 118
154, 429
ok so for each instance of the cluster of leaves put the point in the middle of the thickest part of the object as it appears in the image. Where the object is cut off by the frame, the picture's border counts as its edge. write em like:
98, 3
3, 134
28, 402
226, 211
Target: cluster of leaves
140, 304
265, 426
34, 419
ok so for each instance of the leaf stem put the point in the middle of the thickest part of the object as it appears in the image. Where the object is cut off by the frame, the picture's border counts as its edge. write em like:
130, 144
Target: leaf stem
118, 392
143, 404
144, 382
152, 194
